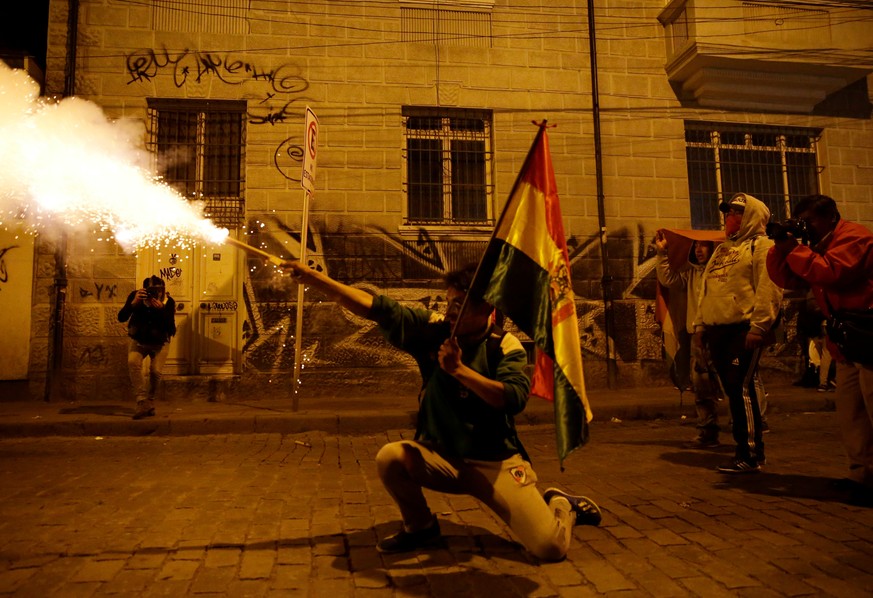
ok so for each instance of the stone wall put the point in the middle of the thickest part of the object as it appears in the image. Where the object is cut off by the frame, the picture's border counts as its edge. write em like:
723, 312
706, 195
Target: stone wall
350, 64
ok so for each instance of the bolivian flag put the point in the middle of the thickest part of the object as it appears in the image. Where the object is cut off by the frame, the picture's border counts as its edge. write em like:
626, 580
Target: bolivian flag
526, 274
671, 305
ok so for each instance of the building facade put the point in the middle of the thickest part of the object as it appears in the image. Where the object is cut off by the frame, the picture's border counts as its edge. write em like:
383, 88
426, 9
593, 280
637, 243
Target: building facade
425, 115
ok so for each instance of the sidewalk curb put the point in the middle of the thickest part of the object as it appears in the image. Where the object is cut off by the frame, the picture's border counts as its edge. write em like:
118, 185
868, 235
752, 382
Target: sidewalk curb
342, 416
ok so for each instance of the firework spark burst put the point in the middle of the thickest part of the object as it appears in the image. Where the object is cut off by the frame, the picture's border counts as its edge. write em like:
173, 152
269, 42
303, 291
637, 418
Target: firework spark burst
66, 164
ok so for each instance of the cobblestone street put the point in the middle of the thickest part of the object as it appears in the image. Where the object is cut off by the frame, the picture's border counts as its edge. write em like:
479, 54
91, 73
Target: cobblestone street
298, 515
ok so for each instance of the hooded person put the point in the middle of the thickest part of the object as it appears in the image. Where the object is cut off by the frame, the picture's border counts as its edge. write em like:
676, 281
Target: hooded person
737, 311
682, 258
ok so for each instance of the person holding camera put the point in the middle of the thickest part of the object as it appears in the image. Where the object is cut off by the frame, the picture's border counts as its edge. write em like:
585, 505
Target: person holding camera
738, 309
833, 257
150, 313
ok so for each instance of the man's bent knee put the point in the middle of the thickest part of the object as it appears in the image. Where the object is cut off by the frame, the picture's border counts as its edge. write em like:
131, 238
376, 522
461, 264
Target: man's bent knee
551, 551
389, 457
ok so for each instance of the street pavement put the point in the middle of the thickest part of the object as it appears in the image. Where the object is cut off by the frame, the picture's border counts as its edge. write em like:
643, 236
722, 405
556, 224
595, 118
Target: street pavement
182, 510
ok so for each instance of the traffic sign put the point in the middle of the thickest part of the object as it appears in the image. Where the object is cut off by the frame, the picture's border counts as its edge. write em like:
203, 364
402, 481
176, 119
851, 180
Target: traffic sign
310, 151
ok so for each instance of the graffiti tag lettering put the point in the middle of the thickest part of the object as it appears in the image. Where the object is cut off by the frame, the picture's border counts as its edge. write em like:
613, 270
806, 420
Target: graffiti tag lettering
220, 305
170, 273
101, 292
4, 273
93, 356
188, 65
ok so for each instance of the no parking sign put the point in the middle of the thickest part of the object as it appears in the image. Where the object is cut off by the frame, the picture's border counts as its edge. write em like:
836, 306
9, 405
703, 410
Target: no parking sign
310, 150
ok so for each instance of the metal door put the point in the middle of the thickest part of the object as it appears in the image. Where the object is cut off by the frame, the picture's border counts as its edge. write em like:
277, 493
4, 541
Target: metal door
206, 283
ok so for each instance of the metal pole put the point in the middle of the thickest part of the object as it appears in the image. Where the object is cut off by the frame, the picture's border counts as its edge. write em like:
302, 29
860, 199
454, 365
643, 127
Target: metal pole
301, 290
606, 280
54, 367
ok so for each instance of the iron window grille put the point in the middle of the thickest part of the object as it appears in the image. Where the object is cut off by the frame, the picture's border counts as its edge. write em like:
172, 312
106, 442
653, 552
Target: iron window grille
448, 166
215, 16
449, 24
199, 148
778, 165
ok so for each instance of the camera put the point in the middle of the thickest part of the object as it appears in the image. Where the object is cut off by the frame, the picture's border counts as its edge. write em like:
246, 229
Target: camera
779, 231
154, 292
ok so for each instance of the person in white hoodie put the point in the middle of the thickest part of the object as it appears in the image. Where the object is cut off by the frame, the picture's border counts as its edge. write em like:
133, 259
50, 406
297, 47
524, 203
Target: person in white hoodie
703, 382
738, 309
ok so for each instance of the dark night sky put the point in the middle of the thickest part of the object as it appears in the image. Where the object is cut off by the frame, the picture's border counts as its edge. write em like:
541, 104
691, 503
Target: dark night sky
23, 28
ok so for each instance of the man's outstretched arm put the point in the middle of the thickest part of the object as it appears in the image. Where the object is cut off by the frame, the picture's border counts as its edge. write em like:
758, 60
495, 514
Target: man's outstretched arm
357, 301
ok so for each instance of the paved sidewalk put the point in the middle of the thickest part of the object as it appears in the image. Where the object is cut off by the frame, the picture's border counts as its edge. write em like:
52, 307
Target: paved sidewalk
339, 415
232, 515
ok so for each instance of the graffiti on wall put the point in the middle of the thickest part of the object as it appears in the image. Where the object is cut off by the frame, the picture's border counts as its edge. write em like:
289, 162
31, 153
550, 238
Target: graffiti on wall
16, 288
194, 66
99, 291
4, 272
378, 261
92, 357
281, 89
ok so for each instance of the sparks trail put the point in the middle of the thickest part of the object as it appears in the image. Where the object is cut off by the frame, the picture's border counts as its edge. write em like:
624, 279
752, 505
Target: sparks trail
66, 164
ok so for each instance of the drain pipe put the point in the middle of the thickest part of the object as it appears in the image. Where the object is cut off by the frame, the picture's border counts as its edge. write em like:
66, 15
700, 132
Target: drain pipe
606, 280
55, 365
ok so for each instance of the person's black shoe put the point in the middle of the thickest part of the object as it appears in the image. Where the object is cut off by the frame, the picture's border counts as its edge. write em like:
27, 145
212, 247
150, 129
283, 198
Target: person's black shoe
861, 496
587, 511
845, 485
740, 466
703, 441
144, 412
404, 541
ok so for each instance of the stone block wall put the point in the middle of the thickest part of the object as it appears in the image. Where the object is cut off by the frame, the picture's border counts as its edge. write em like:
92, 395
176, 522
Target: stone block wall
349, 63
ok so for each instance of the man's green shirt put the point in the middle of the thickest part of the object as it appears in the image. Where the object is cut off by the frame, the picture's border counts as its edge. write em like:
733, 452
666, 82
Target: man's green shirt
451, 415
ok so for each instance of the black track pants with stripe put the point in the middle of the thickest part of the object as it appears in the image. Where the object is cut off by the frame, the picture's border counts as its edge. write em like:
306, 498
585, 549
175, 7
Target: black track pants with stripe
736, 369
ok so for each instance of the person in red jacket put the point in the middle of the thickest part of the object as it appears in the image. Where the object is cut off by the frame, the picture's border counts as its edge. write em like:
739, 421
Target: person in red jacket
837, 264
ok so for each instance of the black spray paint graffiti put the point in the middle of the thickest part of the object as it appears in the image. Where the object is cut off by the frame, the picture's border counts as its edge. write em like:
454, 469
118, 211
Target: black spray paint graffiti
275, 108
101, 292
92, 356
288, 160
170, 272
270, 319
277, 115
4, 272
382, 260
194, 66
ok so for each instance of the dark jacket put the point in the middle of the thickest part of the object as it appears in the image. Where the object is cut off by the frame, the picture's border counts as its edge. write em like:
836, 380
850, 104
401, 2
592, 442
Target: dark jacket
450, 415
148, 325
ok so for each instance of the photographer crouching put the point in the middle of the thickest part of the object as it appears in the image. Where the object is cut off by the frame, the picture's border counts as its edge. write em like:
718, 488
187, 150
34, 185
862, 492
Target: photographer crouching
833, 257
152, 323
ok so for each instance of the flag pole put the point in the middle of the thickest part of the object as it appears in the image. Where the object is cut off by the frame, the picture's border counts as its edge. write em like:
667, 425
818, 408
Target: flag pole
524, 167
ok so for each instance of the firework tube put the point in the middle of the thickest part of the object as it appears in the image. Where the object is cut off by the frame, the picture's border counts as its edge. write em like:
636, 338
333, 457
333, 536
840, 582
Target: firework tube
260, 252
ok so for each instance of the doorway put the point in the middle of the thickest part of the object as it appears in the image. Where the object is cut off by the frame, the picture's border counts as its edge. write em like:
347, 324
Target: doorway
206, 283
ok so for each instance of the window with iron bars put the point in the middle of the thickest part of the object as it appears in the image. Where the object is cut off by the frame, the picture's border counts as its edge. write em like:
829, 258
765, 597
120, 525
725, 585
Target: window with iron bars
448, 166
449, 24
778, 165
200, 151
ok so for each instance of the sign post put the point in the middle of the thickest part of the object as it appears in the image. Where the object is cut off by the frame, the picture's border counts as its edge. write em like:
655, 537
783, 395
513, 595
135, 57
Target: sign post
307, 181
